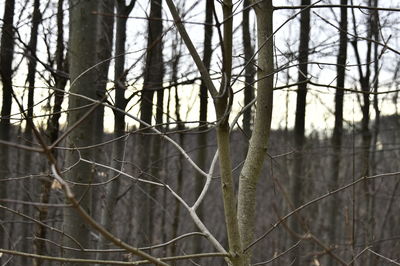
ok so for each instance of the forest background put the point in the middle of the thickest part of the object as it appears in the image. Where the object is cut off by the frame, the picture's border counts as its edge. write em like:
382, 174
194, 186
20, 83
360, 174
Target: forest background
199, 132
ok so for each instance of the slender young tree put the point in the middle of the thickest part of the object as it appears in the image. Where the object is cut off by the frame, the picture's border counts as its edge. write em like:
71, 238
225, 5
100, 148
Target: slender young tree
82, 55
6, 72
243, 216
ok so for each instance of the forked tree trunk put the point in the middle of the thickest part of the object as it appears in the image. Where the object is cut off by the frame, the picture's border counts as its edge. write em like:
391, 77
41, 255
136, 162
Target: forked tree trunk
244, 215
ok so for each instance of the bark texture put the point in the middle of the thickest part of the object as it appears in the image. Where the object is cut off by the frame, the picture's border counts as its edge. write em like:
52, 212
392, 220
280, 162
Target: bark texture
253, 164
6, 58
82, 54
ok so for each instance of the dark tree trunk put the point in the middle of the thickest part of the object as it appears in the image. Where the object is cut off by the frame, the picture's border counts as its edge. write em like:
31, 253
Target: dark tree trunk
299, 181
338, 128
118, 152
28, 186
153, 72
366, 198
53, 124
153, 77
250, 70
6, 57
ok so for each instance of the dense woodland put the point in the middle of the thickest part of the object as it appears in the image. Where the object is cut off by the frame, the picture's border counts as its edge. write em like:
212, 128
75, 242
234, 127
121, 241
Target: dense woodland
201, 132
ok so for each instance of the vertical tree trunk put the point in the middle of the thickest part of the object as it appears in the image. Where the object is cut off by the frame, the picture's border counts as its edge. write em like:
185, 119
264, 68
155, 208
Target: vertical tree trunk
250, 68
222, 107
118, 152
82, 54
364, 79
52, 126
104, 47
338, 128
298, 179
153, 77
202, 137
6, 57
28, 186
375, 132
252, 166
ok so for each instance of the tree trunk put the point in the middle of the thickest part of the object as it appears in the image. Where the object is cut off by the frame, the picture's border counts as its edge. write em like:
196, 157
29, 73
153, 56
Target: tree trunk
104, 47
118, 152
53, 126
252, 167
298, 178
364, 210
28, 185
338, 128
153, 77
6, 57
250, 68
82, 55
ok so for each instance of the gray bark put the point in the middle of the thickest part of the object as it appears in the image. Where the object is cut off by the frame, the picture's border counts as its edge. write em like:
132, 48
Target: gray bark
252, 167
118, 152
82, 56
